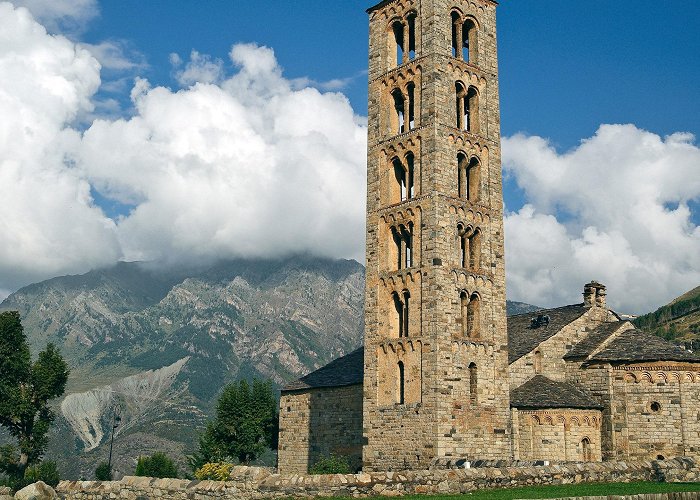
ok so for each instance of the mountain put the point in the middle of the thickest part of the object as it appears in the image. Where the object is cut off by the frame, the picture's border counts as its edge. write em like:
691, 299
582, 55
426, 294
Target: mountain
678, 320
156, 345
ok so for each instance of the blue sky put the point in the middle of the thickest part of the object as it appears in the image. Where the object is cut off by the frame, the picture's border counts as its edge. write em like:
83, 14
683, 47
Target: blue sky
565, 67
121, 143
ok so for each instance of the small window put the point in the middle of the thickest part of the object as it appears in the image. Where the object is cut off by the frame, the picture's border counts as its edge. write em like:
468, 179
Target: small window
586, 450
473, 382
538, 361
655, 406
660, 457
402, 384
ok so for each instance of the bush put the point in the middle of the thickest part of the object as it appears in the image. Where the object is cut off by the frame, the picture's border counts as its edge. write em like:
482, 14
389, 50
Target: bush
331, 465
103, 472
157, 465
217, 471
46, 471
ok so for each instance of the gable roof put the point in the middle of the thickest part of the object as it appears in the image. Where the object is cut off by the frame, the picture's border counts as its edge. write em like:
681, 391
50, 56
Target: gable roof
594, 339
346, 370
636, 345
523, 337
541, 392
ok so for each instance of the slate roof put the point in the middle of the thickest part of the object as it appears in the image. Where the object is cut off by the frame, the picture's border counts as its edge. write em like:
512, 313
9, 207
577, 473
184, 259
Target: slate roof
523, 338
584, 348
637, 346
541, 393
346, 370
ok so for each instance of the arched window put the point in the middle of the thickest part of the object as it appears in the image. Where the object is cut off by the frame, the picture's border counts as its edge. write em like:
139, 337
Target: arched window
462, 180
396, 43
464, 312
461, 95
463, 242
473, 316
411, 91
474, 243
410, 190
469, 41
472, 178
401, 180
398, 305
464, 38
398, 121
411, 22
538, 361
408, 245
473, 382
402, 384
471, 110
586, 450
406, 308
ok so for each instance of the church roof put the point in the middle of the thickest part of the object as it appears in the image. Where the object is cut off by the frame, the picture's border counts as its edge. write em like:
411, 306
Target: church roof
637, 346
346, 370
523, 337
541, 392
594, 339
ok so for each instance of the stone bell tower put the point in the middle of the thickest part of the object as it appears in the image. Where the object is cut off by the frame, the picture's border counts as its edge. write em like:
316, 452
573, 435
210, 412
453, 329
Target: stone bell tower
436, 362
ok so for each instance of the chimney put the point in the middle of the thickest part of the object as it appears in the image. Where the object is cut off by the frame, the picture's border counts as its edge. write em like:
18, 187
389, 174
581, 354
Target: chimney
594, 294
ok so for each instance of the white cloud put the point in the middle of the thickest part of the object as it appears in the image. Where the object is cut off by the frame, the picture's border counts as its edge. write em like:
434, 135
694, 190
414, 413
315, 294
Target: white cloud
61, 15
49, 224
246, 166
201, 68
624, 193
117, 55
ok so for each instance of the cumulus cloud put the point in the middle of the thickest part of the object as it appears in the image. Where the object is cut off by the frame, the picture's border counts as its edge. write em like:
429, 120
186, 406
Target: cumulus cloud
49, 224
247, 167
238, 165
613, 209
61, 15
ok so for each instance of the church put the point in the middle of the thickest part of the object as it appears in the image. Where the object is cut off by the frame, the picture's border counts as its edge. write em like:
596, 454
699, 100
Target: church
443, 375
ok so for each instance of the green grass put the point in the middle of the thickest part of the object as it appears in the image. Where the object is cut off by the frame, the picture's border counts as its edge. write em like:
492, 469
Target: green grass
567, 490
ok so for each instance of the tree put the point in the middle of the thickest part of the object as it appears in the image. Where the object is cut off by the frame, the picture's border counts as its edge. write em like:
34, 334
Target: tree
157, 465
25, 391
245, 424
103, 472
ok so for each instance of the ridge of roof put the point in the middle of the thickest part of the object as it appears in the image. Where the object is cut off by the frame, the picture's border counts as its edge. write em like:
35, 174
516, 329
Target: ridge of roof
342, 371
594, 340
541, 392
523, 337
638, 346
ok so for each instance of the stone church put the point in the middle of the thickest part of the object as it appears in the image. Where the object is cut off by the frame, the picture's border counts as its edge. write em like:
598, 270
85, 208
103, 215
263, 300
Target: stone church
443, 374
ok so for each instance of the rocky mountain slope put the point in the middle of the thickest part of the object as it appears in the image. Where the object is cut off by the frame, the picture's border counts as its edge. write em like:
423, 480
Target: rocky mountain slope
156, 345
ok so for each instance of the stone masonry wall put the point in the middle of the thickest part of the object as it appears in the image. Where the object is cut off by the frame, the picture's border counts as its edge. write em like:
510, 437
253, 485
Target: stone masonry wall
655, 410
252, 483
317, 423
557, 435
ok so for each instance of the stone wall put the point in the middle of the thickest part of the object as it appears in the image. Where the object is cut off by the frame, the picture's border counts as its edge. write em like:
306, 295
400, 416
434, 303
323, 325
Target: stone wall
317, 423
252, 483
557, 435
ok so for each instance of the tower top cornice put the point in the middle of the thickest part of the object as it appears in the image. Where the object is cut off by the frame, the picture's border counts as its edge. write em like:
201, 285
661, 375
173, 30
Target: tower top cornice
384, 3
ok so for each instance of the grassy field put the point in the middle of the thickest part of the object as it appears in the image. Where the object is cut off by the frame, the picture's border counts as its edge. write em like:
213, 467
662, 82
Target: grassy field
569, 490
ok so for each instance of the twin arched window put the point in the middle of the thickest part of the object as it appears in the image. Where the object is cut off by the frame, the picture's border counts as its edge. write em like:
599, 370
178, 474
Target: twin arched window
404, 175
469, 240
402, 40
464, 37
401, 304
470, 314
468, 177
403, 119
403, 242
467, 107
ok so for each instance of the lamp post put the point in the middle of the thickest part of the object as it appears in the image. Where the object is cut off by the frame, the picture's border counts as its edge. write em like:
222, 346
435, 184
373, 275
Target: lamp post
115, 423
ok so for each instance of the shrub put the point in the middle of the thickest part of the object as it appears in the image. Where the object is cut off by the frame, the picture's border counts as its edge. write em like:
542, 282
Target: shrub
217, 471
103, 472
331, 465
157, 465
46, 471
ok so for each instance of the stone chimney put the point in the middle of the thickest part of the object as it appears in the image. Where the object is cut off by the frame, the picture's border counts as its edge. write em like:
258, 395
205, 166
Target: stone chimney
594, 294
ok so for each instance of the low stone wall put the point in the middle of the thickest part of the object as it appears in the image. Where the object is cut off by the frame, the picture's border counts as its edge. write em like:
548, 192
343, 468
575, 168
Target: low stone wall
253, 483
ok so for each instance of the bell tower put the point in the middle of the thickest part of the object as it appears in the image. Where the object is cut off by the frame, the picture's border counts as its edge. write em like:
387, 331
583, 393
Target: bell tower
436, 360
